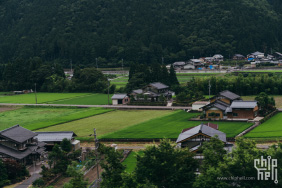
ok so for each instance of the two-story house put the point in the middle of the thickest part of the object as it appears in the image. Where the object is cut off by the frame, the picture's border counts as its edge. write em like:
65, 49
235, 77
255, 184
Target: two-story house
20, 144
230, 105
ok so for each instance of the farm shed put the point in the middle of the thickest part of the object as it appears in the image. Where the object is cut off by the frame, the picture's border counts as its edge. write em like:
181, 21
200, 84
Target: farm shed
120, 99
52, 138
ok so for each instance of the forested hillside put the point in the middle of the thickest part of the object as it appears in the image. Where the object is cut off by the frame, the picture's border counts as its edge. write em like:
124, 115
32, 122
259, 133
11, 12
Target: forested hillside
79, 31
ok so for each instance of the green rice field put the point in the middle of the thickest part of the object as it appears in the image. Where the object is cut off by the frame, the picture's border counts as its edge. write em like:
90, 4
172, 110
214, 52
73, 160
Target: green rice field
171, 125
91, 99
272, 128
41, 97
131, 161
33, 118
262, 71
108, 122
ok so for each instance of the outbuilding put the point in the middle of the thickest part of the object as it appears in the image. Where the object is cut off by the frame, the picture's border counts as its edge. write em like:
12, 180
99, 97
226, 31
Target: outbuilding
120, 99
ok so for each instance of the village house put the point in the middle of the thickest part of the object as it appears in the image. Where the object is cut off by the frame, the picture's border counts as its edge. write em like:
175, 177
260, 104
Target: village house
120, 99
256, 55
153, 92
238, 57
218, 58
228, 105
21, 145
52, 138
194, 137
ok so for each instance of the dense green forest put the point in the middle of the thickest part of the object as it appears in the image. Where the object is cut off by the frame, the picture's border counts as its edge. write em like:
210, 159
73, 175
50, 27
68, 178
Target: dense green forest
79, 31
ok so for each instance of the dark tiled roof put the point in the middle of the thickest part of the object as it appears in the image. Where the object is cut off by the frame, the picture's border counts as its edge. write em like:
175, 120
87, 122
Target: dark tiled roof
214, 126
218, 104
229, 95
21, 154
138, 91
159, 85
201, 129
17, 134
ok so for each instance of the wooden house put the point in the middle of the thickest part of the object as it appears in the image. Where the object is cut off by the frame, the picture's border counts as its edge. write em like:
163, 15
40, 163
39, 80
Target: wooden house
228, 105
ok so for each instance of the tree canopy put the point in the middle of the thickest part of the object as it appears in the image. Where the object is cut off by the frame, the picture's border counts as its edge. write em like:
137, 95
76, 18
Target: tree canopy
78, 32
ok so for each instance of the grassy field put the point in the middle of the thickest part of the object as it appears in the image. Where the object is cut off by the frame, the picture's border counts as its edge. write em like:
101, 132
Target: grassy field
171, 125
131, 160
92, 99
41, 97
270, 129
266, 71
34, 118
185, 77
278, 99
109, 122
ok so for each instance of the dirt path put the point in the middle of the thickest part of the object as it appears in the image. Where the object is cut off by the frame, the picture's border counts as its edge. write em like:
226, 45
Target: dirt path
7, 108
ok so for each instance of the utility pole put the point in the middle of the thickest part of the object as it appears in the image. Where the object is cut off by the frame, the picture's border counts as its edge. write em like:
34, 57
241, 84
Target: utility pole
122, 65
162, 60
209, 91
96, 151
108, 92
35, 94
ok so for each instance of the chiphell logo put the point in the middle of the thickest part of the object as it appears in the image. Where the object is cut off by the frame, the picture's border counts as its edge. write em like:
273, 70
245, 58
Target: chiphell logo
267, 168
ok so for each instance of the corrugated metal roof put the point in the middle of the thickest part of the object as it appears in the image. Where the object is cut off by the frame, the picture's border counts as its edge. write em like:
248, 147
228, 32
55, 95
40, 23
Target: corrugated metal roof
54, 136
17, 133
243, 104
119, 96
205, 130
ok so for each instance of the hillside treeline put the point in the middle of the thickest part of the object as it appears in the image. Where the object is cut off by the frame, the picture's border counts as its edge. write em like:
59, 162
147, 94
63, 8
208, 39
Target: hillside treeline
90, 31
24, 74
243, 84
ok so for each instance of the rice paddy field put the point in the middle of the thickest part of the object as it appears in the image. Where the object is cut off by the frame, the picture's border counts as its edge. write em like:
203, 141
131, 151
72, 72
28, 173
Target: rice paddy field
272, 128
120, 81
108, 122
263, 71
58, 98
33, 118
91, 99
131, 161
171, 125
41, 97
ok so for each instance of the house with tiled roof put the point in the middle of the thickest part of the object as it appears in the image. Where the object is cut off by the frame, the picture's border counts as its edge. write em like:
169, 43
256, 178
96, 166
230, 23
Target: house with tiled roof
20, 144
194, 137
228, 105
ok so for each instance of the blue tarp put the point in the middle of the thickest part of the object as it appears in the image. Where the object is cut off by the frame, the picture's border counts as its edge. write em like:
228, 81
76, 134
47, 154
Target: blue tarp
211, 67
250, 59
200, 68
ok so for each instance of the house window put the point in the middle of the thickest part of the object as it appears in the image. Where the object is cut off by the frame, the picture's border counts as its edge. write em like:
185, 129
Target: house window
235, 114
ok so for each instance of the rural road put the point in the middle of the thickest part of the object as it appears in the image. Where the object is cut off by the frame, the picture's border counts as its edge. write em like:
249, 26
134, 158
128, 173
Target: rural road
104, 106
29, 181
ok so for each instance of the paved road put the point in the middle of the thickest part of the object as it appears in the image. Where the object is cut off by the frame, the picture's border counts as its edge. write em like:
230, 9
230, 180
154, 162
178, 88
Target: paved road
29, 181
104, 106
